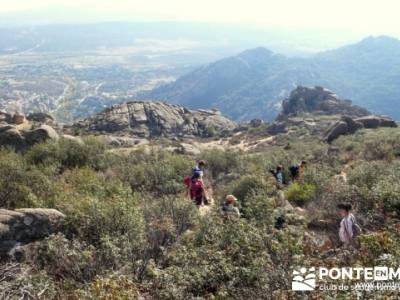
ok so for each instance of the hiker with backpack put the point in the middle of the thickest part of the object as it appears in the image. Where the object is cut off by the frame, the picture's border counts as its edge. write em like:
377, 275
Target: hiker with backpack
349, 227
195, 185
278, 174
229, 207
199, 168
197, 190
297, 171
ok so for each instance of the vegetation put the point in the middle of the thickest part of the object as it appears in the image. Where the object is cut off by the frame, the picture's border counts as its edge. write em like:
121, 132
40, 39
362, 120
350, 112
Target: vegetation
131, 231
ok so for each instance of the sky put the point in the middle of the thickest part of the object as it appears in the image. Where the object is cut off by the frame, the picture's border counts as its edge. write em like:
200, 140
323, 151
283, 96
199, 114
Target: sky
369, 16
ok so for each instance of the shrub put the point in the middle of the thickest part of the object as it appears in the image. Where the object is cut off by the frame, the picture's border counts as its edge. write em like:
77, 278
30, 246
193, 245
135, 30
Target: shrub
374, 244
104, 213
301, 193
159, 171
247, 185
259, 206
387, 191
22, 185
221, 162
115, 287
67, 154
65, 259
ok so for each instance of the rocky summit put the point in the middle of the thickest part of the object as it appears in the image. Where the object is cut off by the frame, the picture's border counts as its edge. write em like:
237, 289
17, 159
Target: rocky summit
154, 119
318, 100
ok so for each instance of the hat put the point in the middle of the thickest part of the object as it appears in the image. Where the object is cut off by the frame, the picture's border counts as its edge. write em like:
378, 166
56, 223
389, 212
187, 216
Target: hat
230, 199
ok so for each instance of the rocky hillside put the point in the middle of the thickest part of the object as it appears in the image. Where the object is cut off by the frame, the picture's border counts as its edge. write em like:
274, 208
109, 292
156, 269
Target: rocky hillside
252, 84
155, 119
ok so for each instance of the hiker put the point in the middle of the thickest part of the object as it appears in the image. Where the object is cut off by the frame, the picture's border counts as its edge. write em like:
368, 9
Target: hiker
199, 168
278, 174
349, 228
297, 171
197, 190
280, 222
229, 207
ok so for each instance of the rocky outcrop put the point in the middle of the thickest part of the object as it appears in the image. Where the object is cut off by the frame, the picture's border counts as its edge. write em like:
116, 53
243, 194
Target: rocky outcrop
376, 121
187, 149
348, 125
27, 225
11, 136
5, 117
318, 100
154, 119
41, 118
277, 128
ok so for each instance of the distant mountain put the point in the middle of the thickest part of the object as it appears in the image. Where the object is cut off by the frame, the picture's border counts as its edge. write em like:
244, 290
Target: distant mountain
253, 83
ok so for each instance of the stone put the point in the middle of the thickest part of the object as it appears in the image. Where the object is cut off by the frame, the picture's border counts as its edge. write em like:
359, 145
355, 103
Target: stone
40, 117
20, 140
376, 121
5, 117
125, 142
144, 119
277, 128
18, 119
318, 100
13, 138
22, 226
72, 138
187, 149
348, 125
41, 134
255, 123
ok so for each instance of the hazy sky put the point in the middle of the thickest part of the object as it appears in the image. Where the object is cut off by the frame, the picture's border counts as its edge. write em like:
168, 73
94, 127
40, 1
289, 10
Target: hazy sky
370, 16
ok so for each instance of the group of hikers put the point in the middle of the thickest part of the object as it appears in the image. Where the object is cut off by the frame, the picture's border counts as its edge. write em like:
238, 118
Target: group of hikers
296, 173
197, 192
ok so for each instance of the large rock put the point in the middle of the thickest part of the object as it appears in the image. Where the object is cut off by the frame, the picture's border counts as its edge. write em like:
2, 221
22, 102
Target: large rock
41, 134
187, 149
318, 100
11, 137
124, 142
277, 128
376, 121
153, 119
40, 117
27, 225
5, 117
348, 125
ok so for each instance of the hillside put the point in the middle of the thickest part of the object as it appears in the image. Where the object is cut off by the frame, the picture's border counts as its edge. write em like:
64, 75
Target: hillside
79, 220
253, 83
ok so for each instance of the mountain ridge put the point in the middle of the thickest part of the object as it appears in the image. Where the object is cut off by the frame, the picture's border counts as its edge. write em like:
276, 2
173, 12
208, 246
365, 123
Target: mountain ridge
252, 83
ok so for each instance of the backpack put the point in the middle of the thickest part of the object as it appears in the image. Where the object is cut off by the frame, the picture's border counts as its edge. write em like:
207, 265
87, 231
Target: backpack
196, 188
294, 171
280, 222
186, 181
355, 227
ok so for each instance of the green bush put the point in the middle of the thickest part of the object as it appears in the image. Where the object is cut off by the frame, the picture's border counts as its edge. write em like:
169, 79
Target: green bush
249, 184
22, 185
159, 171
220, 162
67, 154
387, 191
301, 193
259, 206
69, 260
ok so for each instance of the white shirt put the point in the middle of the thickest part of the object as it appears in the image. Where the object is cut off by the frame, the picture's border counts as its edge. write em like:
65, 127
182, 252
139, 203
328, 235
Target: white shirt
346, 228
